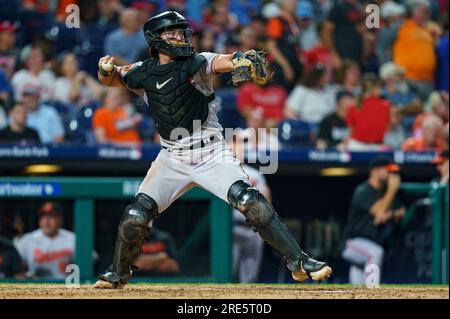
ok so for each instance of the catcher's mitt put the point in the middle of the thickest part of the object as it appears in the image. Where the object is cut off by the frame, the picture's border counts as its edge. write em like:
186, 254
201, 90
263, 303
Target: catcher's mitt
251, 66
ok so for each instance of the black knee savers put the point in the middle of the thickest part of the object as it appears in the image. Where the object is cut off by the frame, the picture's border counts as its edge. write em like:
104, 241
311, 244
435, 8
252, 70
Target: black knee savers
249, 201
261, 214
136, 218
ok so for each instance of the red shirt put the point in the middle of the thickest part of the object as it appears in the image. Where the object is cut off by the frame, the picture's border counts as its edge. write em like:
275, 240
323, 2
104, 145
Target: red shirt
320, 54
370, 122
270, 99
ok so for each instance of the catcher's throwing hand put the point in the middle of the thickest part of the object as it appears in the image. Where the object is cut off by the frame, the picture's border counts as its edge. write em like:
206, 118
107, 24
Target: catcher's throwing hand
251, 66
106, 65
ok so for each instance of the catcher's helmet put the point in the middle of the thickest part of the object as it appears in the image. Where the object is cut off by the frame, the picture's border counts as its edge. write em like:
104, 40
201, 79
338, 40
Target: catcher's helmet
166, 21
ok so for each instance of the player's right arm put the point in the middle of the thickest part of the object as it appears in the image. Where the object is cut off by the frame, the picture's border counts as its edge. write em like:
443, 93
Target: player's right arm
109, 77
380, 210
127, 76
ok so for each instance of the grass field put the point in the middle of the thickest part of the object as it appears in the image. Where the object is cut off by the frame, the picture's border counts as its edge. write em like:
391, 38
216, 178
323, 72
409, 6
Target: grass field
225, 291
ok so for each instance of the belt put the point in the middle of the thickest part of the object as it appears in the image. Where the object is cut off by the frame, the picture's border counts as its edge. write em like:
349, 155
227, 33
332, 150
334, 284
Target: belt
200, 144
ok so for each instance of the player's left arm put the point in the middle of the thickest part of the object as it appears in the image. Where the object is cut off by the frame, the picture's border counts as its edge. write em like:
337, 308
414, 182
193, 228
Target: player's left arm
223, 63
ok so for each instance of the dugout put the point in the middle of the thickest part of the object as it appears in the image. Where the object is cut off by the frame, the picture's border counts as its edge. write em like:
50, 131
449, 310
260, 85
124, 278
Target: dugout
313, 202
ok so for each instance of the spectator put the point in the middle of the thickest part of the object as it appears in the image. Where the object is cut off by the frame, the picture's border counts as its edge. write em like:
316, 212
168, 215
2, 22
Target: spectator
222, 23
282, 45
270, 98
312, 100
159, 255
248, 247
5, 88
258, 25
75, 87
126, 43
247, 39
48, 250
442, 50
145, 10
206, 41
414, 49
344, 30
333, 130
308, 30
8, 50
392, 14
109, 11
42, 117
396, 89
10, 263
431, 139
320, 54
374, 209
17, 132
113, 124
437, 104
348, 77
441, 163
396, 134
369, 119
34, 74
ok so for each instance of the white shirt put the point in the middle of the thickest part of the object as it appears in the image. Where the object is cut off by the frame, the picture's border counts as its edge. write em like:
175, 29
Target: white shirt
62, 90
47, 122
45, 256
312, 105
45, 80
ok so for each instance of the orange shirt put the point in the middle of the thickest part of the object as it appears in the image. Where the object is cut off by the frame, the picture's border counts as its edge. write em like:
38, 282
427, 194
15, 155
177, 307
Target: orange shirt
418, 145
414, 50
110, 121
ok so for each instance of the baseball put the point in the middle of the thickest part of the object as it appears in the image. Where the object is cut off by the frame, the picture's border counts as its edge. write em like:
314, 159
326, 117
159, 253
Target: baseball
107, 66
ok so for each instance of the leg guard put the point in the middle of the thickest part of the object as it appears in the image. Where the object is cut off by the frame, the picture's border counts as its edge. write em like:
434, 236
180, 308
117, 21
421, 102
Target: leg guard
261, 214
133, 230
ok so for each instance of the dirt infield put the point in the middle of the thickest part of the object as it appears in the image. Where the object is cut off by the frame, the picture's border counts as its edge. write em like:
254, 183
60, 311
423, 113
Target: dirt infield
223, 291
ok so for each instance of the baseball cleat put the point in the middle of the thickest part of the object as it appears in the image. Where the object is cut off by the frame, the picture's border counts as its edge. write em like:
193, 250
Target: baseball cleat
102, 284
110, 280
312, 269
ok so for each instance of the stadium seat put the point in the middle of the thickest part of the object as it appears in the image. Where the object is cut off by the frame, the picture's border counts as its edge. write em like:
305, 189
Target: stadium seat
295, 133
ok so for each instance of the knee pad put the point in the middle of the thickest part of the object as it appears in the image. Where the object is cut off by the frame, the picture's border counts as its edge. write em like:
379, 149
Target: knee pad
134, 224
249, 201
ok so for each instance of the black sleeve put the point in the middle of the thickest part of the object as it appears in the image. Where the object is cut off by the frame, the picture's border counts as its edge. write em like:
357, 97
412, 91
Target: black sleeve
17, 266
364, 198
35, 136
324, 130
133, 79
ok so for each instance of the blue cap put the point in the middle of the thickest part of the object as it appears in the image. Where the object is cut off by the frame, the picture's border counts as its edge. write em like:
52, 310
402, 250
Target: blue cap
305, 9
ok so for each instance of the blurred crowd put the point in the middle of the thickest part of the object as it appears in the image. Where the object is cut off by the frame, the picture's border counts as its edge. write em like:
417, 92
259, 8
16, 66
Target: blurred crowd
338, 83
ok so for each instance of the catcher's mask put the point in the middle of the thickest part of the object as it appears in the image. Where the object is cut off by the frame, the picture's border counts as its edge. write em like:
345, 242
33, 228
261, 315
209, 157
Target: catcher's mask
169, 32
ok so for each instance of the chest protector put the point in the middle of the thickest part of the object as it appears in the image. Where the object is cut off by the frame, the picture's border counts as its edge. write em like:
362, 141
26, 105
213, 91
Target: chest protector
173, 100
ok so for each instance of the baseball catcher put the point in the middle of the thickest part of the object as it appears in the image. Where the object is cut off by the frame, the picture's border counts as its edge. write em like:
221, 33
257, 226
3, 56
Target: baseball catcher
175, 81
